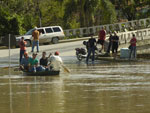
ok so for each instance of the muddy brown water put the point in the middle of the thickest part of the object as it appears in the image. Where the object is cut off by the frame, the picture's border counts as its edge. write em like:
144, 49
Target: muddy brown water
100, 88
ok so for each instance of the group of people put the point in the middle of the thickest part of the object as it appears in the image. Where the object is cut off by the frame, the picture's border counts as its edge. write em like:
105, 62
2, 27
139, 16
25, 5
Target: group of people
113, 45
32, 64
23, 43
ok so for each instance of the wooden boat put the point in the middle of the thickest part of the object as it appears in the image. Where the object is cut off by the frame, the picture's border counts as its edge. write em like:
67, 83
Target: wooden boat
42, 73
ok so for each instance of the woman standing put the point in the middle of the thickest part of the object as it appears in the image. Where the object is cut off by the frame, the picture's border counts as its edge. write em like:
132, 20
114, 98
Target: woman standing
133, 47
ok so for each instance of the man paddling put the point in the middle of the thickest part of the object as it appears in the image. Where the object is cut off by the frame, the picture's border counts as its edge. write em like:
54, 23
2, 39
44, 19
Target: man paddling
55, 61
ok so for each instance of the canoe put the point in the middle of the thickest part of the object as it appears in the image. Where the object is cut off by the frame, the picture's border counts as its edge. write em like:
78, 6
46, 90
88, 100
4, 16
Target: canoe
42, 73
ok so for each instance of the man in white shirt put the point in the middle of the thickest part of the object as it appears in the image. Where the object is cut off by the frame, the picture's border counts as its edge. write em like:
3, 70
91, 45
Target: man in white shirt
55, 61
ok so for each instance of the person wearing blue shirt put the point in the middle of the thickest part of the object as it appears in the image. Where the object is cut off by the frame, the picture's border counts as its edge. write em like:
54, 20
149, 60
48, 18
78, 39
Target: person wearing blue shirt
24, 65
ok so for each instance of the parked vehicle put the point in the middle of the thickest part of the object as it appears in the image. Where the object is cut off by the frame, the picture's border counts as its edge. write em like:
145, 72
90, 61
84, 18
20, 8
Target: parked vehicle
81, 53
47, 34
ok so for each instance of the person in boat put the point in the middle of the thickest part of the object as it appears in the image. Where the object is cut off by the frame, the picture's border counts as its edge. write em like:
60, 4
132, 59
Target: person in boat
24, 65
55, 62
115, 45
22, 45
44, 60
34, 64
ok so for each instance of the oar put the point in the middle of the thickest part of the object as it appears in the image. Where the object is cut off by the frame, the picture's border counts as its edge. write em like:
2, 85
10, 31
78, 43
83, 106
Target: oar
65, 68
10, 67
16, 68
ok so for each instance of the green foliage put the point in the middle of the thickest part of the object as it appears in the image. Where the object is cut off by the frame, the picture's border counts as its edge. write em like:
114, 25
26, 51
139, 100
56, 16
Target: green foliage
18, 16
131, 9
8, 24
107, 14
52, 14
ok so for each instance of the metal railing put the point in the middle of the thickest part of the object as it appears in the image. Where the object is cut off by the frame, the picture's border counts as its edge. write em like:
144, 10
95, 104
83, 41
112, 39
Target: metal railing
119, 27
141, 34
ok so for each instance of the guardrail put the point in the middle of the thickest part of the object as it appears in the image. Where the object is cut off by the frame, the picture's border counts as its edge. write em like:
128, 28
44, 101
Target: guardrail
119, 27
142, 34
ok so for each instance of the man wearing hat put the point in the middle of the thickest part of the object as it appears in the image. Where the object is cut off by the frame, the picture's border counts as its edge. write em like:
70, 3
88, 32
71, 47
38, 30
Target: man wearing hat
24, 65
55, 61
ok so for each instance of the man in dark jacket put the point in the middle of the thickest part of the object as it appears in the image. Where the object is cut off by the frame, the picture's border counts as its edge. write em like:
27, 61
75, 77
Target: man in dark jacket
91, 48
115, 44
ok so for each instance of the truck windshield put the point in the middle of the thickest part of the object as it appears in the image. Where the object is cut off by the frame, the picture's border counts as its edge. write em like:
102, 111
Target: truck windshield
29, 32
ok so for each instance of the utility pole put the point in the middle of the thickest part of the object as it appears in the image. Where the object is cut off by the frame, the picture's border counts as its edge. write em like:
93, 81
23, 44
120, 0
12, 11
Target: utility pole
39, 14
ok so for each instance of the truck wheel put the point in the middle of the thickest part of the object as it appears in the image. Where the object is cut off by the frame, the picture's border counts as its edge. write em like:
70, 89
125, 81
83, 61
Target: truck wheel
28, 43
55, 40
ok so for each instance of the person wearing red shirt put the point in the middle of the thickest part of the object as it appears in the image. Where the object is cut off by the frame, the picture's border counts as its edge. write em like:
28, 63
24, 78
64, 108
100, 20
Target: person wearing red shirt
133, 47
102, 36
22, 45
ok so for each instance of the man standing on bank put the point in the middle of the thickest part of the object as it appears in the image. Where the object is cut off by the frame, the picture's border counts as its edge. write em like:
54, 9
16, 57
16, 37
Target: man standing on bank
110, 42
115, 45
35, 35
102, 37
22, 45
91, 48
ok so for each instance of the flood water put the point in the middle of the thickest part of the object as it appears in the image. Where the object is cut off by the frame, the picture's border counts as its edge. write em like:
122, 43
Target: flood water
100, 88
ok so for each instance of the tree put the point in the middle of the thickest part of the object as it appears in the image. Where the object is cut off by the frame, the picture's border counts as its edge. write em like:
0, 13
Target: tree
90, 12
131, 9
105, 13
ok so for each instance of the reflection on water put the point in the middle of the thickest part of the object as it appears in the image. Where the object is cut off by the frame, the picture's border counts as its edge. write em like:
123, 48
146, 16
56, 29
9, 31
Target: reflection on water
99, 88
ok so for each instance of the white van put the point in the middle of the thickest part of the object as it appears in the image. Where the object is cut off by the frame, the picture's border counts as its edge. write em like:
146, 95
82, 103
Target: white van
47, 34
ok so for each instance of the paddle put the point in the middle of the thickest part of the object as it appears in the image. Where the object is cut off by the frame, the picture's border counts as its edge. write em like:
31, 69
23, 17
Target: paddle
16, 68
65, 68
10, 67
